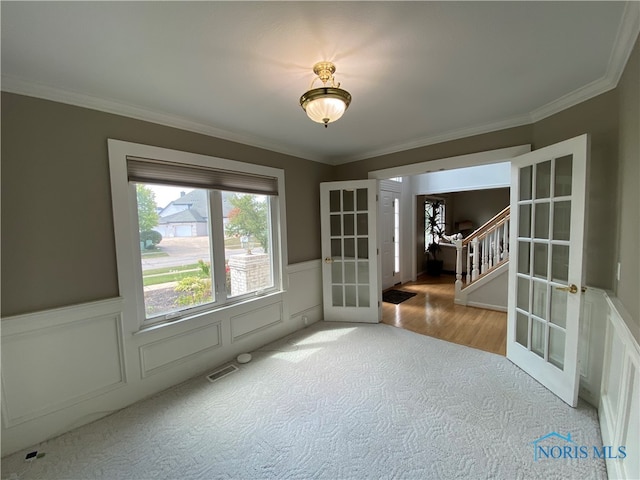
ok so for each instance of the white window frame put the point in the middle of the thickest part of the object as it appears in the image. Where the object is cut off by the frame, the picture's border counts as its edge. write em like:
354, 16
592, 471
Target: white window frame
431, 198
125, 218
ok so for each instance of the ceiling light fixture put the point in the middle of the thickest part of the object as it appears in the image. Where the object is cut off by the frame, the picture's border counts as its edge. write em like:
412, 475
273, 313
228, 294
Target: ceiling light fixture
329, 102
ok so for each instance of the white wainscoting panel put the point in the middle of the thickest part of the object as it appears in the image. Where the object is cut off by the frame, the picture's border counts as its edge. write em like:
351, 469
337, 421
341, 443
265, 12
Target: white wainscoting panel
620, 393
66, 367
48, 368
593, 322
162, 354
250, 322
305, 287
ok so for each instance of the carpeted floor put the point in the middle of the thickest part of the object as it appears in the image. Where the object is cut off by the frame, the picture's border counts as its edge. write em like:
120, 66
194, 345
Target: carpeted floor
335, 401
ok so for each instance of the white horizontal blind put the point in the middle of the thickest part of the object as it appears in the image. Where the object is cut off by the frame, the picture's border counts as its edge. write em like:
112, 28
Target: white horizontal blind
145, 170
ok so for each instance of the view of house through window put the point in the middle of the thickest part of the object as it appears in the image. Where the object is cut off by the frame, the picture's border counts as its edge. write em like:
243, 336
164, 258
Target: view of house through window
178, 227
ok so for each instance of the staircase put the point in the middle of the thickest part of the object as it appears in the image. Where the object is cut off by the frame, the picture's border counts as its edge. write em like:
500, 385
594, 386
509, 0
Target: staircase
485, 254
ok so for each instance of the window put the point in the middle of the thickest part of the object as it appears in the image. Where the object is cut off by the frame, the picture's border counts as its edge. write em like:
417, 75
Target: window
396, 235
176, 246
434, 221
202, 235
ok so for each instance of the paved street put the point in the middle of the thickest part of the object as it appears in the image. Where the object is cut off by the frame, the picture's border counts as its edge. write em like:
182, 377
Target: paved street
185, 251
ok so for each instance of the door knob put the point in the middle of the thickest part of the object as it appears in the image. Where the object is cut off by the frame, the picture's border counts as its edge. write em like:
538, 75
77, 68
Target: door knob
328, 260
571, 288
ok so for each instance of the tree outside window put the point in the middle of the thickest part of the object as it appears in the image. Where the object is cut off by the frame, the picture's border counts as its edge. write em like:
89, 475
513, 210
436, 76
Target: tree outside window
248, 219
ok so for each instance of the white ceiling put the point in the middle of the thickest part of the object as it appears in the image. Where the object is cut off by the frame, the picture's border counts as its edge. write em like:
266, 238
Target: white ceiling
419, 72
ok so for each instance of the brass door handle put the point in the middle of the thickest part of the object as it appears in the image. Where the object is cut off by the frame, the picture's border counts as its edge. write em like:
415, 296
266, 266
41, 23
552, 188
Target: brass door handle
328, 260
571, 289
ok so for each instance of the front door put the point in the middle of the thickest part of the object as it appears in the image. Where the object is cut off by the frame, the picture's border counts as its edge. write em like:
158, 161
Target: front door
390, 237
546, 264
350, 266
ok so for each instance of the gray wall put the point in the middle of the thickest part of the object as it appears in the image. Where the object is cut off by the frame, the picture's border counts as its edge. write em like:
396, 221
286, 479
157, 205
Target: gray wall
57, 232
628, 187
599, 118
57, 227
477, 143
479, 206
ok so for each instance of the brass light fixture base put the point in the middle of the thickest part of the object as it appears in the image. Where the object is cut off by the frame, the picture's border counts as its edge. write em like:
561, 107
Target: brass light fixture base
327, 103
324, 71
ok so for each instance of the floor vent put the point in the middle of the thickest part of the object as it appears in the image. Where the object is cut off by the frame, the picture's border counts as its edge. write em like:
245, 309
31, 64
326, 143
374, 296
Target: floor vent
223, 372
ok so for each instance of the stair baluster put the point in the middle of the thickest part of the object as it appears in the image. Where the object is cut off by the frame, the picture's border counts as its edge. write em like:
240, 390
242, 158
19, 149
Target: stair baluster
486, 249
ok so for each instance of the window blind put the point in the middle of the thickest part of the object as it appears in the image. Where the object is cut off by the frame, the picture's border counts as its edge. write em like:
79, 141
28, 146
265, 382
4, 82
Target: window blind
145, 170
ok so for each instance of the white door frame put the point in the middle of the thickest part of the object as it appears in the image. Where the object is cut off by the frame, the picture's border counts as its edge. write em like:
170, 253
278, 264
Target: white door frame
408, 203
395, 190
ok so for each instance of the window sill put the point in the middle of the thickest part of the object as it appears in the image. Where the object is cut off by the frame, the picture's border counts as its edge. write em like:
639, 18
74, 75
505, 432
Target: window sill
265, 299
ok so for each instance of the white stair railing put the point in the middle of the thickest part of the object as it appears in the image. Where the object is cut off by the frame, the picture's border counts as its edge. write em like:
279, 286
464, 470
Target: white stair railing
484, 250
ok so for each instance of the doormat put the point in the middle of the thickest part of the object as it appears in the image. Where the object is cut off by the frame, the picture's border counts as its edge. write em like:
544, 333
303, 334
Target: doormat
396, 296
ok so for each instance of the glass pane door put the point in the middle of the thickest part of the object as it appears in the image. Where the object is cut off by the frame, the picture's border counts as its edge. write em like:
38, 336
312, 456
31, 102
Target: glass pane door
544, 229
545, 268
349, 220
348, 217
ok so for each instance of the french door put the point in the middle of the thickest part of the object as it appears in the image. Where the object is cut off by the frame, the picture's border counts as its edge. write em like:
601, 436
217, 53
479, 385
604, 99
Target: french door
350, 266
546, 264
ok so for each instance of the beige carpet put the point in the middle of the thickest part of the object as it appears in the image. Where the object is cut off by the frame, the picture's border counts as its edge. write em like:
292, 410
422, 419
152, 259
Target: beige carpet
335, 401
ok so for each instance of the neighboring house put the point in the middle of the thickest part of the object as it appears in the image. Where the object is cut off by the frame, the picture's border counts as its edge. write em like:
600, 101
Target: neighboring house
187, 223
187, 216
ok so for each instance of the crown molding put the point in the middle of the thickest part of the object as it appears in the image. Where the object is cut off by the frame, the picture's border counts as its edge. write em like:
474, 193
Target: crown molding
19, 86
628, 31
625, 40
434, 139
627, 34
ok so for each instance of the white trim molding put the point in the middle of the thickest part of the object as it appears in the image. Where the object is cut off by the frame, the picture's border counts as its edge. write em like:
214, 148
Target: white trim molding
627, 33
68, 355
619, 411
12, 84
163, 354
65, 367
305, 292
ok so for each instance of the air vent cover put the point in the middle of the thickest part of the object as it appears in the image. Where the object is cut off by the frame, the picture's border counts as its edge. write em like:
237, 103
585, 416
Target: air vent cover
223, 372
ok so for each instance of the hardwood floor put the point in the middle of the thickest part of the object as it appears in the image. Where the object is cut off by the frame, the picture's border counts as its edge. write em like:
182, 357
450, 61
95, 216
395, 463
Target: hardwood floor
432, 312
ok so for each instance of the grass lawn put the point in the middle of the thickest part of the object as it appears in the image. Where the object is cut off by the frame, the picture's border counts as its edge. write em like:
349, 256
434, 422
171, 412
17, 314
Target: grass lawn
179, 268
172, 277
153, 253
171, 274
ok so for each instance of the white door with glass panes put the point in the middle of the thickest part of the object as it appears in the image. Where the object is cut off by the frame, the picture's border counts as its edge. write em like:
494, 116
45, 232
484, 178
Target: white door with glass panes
546, 264
350, 260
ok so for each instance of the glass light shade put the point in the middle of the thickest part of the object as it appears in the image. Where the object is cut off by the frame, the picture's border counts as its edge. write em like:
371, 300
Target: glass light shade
325, 110
325, 105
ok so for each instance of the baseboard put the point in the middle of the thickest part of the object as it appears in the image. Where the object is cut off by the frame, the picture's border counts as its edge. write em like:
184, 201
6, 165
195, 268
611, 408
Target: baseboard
486, 306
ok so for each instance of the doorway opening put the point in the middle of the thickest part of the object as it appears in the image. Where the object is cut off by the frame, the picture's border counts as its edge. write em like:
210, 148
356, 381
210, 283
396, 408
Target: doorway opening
433, 310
